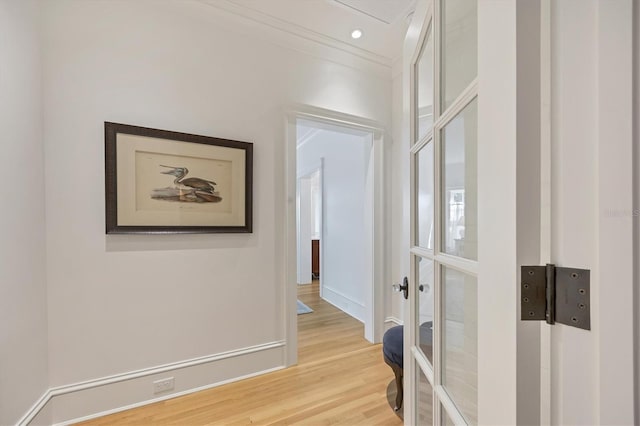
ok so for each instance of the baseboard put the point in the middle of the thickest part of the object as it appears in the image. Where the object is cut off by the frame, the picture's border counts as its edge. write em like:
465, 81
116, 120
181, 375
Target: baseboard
36, 409
164, 398
95, 398
344, 303
393, 320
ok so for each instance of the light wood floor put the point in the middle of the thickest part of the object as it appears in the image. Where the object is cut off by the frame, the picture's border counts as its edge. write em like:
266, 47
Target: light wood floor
341, 379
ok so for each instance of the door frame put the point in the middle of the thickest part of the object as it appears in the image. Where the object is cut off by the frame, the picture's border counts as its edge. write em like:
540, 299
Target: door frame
590, 377
614, 310
374, 305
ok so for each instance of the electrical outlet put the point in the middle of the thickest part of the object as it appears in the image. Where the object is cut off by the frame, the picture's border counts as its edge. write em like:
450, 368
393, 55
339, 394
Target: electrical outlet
163, 385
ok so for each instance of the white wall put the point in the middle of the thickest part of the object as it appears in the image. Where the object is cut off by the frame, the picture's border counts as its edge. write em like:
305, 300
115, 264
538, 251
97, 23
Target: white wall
125, 303
309, 215
23, 309
304, 230
636, 203
345, 266
394, 306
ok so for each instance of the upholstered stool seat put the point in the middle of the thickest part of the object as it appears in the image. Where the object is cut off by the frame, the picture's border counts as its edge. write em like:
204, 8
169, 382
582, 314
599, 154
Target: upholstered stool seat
392, 350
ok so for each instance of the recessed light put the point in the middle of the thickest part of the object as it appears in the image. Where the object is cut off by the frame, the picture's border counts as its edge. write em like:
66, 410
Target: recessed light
356, 34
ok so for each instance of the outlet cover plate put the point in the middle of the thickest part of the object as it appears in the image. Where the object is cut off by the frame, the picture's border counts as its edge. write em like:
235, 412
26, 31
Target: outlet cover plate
163, 385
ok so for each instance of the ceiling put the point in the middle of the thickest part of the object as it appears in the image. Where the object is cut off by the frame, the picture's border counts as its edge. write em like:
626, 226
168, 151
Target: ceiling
383, 22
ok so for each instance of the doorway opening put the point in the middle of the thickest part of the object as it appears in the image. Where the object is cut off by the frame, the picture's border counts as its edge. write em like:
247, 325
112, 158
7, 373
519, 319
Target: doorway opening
309, 213
335, 220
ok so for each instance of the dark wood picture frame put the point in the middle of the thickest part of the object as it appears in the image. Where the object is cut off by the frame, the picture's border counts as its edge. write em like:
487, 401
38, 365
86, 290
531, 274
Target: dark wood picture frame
190, 197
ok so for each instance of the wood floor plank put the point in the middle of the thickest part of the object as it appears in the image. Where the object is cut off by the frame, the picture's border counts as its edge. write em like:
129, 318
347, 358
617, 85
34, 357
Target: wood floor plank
341, 379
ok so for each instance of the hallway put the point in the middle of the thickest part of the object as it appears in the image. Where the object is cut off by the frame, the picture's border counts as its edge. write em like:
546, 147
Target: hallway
340, 379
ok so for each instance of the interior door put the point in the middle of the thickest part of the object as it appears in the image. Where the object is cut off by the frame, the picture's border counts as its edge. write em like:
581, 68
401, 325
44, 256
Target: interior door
460, 325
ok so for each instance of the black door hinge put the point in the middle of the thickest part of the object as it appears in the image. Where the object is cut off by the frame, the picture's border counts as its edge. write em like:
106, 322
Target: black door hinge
556, 294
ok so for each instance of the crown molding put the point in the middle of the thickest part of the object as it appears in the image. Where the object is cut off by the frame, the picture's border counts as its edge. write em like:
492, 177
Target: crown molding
299, 38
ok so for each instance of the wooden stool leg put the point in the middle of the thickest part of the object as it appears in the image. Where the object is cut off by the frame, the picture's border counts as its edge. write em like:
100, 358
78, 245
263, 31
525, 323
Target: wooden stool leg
398, 373
399, 386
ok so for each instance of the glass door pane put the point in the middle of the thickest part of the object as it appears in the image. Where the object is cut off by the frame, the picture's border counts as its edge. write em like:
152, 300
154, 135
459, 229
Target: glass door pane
424, 72
424, 278
459, 181
425, 204
460, 341
424, 398
459, 47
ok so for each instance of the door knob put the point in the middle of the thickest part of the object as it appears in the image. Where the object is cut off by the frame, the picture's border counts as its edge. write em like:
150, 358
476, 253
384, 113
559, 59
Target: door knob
404, 288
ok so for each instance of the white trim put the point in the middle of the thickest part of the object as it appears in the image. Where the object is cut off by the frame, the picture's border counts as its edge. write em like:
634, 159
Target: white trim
333, 118
123, 377
423, 252
457, 106
345, 303
421, 359
497, 236
449, 406
379, 269
412, 47
424, 141
461, 264
296, 33
592, 125
394, 320
377, 187
436, 20
166, 397
62, 390
613, 314
35, 409
574, 93
289, 261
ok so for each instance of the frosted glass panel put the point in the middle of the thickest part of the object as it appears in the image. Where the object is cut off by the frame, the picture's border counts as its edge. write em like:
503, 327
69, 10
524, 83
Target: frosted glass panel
460, 188
459, 54
424, 73
424, 277
425, 399
425, 197
460, 341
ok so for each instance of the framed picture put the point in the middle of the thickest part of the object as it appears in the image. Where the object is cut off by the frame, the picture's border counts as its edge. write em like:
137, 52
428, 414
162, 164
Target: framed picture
163, 182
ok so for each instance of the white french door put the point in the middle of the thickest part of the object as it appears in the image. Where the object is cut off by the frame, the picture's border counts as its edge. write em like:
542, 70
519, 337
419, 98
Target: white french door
475, 115
459, 365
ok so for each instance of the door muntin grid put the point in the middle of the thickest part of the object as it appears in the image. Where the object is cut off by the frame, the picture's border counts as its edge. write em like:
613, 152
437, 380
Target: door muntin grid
450, 100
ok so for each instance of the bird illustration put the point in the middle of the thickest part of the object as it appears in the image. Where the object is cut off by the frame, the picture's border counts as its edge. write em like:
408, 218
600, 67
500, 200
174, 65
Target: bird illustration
192, 182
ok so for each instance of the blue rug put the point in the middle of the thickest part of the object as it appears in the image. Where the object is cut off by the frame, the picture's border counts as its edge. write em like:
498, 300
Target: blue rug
303, 309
